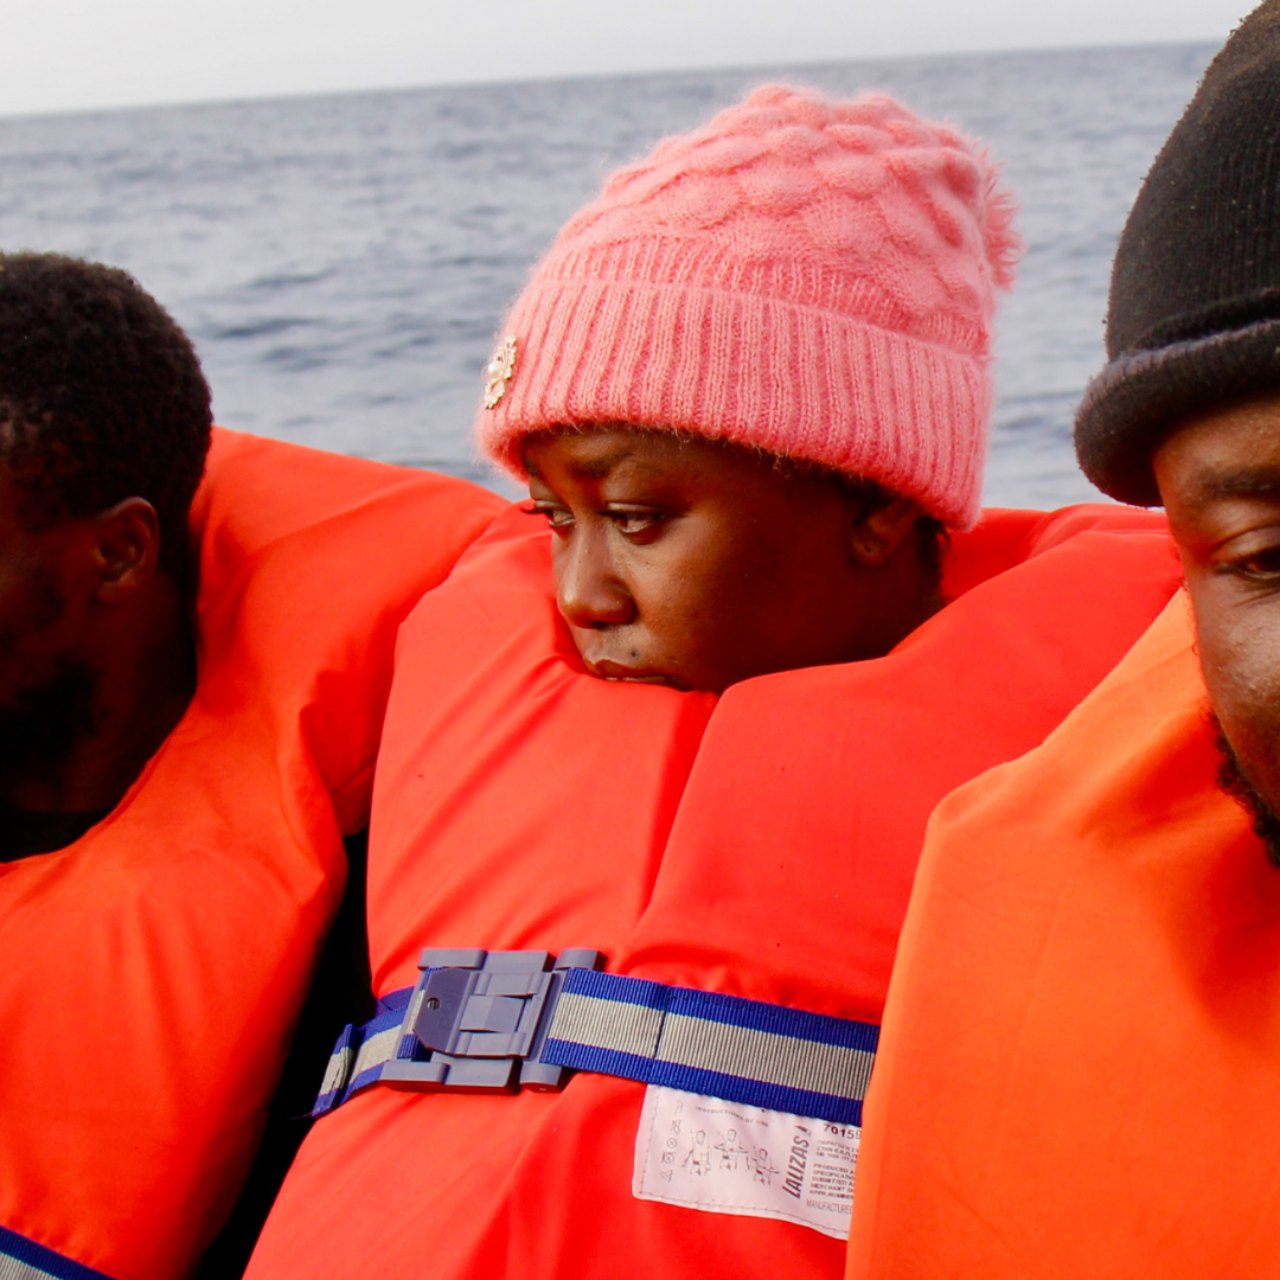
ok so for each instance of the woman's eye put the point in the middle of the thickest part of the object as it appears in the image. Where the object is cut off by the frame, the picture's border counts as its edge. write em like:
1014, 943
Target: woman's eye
556, 517
632, 523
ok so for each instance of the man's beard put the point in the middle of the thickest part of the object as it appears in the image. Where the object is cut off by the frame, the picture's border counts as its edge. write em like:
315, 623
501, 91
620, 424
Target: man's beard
1233, 780
45, 722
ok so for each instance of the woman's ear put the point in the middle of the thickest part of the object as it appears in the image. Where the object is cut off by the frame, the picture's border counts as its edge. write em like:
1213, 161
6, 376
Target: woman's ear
875, 535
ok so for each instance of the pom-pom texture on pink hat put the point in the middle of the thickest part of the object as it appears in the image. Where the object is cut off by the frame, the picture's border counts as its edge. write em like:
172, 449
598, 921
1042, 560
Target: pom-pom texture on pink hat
815, 279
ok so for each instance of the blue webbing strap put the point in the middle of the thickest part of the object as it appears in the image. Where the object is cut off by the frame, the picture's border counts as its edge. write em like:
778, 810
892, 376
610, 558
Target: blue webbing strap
357, 1059
744, 1051
763, 1055
23, 1259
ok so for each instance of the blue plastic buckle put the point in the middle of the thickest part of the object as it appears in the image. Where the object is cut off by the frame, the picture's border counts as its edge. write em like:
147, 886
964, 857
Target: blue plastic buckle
477, 1020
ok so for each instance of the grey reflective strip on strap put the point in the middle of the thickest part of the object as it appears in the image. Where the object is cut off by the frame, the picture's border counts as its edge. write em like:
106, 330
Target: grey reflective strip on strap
759, 1055
346, 1063
729, 1047
718, 1047
24, 1259
12, 1269
337, 1073
376, 1051
606, 1024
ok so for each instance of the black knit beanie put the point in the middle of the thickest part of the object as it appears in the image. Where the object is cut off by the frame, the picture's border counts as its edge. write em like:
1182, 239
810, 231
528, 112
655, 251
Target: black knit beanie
1194, 316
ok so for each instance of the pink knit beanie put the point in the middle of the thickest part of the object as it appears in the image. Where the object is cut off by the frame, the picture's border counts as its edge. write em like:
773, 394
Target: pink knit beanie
816, 279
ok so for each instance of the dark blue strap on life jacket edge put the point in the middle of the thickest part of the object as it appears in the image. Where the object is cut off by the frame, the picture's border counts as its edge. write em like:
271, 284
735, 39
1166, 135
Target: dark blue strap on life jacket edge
744, 1051
23, 1259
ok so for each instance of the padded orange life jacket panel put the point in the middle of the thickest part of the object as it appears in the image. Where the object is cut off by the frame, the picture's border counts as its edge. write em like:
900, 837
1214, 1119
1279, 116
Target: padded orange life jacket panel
1080, 1069
520, 803
154, 968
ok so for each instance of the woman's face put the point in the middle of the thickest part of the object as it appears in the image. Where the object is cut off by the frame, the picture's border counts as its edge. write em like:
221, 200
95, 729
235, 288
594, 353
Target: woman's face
694, 564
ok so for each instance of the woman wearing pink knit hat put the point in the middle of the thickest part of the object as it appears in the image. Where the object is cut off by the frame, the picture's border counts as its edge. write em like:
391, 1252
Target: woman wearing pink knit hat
749, 386
653, 914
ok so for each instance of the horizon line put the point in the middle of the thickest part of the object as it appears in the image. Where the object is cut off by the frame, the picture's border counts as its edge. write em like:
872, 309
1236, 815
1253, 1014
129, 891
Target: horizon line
253, 99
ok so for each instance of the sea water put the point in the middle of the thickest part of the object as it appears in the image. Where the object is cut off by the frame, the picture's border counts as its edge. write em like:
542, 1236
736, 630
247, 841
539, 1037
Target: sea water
342, 262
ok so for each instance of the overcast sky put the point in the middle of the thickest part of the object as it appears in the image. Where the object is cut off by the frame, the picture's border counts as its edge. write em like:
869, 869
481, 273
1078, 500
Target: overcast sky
58, 55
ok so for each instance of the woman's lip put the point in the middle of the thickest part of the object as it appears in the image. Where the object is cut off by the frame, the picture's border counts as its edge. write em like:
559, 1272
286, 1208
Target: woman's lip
608, 670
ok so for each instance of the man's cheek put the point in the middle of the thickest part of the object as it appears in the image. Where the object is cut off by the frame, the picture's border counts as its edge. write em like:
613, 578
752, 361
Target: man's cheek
1244, 688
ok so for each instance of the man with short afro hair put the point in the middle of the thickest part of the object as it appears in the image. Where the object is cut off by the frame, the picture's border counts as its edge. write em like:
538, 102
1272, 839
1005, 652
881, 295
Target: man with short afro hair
105, 424
101, 396
197, 630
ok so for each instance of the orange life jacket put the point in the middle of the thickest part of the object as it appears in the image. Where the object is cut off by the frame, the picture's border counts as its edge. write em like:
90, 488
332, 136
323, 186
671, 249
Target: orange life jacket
1080, 1071
152, 970
522, 804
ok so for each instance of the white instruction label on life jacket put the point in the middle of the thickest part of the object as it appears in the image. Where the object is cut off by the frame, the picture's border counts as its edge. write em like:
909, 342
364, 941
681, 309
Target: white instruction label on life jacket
724, 1157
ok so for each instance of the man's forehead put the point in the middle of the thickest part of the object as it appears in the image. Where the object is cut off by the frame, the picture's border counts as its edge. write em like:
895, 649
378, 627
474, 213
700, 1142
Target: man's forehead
1217, 481
1230, 452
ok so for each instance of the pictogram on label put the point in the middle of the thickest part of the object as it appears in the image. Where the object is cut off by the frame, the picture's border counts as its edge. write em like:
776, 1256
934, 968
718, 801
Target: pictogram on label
724, 1157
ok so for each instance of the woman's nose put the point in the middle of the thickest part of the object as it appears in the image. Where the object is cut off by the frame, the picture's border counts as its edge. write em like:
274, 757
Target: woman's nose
590, 590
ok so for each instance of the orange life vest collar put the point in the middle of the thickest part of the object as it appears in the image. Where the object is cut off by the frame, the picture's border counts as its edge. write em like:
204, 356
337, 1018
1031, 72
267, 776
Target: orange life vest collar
153, 970
1081, 1052
759, 847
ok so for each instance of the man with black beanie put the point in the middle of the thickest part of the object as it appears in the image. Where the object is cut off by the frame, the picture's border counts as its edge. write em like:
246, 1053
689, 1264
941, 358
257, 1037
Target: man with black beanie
1186, 415
1079, 1070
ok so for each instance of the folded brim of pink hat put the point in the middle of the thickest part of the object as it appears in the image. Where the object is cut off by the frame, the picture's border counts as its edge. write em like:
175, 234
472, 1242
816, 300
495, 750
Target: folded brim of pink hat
797, 381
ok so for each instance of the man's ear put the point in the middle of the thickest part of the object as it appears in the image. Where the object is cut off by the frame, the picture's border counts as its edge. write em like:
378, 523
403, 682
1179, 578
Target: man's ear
126, 549
876, 535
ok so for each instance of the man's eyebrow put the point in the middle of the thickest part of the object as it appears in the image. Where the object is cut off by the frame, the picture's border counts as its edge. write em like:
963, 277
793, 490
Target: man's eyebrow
1250, 482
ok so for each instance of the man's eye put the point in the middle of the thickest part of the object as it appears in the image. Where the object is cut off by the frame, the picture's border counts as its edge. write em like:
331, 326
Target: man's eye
1260, 566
